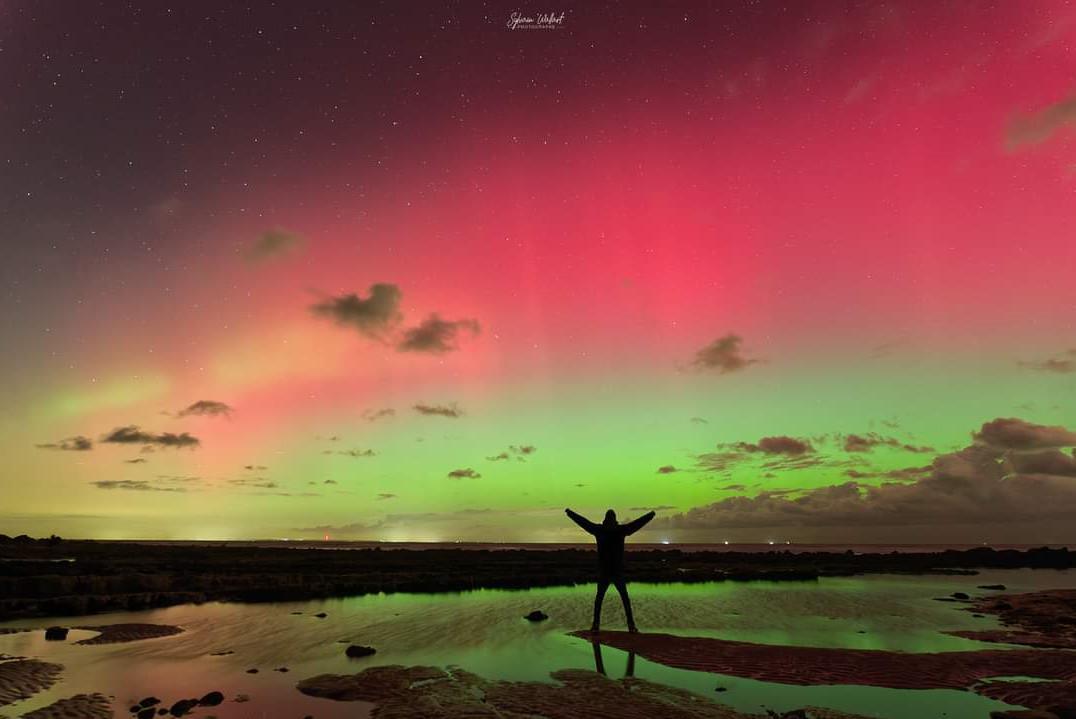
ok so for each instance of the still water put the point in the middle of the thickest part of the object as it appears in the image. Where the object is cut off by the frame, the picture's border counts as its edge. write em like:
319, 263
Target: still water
484, 632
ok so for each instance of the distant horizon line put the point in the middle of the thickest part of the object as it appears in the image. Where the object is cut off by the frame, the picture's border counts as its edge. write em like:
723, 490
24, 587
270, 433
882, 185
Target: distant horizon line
775, 545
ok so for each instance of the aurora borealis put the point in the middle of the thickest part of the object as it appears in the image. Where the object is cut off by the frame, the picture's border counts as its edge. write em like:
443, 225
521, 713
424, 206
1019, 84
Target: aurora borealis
783, 272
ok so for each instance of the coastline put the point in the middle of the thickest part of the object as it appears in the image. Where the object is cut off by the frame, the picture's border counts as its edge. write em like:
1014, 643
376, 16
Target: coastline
79, 577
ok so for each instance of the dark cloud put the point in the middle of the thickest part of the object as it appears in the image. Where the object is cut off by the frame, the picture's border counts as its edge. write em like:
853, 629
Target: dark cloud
777, 445
667, 469
464, 474
867, 442
1017, 476
438, 410
71, 444
132, 434
329, 481
375, 317
373, 415
723, 355
135, 485
1036, 128
520, 452
435, 335
1062, 364
1049, 461
272, 244
206, 408
1012, 433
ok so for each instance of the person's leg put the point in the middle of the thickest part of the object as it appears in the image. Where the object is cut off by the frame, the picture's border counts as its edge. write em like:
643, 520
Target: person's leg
599, 665
622, 588
603, 585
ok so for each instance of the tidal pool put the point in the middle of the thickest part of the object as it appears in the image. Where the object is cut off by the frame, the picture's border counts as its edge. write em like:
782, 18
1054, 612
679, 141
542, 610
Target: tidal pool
484, 632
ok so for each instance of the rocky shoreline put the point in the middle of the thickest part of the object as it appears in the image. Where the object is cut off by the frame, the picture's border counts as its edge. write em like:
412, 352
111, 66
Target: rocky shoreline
70, 578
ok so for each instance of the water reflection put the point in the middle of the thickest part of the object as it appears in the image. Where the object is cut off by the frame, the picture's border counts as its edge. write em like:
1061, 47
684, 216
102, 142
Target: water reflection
599, 665
484, 632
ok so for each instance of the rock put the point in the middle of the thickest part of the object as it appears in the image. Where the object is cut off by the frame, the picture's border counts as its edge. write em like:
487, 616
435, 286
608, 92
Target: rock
960, 595
149, 702
221, 653
1002, 606
252, 671
162, 711
355, 651
537, 616
993, 587
147, 713
241, 698
211, 699
721, 689
56, 634
321, 615
183, 707
135, 709
282, 670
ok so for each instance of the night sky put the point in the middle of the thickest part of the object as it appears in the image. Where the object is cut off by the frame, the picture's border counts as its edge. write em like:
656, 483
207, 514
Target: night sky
781, 271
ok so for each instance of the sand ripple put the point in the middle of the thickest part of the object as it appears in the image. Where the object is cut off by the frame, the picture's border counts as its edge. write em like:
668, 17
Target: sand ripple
80, 706
22, 678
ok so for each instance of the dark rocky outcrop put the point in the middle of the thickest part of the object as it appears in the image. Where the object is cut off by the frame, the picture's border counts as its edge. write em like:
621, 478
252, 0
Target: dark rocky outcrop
356, 651
537, 616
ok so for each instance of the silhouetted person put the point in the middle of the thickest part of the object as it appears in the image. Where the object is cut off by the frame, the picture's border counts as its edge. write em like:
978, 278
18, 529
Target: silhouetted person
610, 538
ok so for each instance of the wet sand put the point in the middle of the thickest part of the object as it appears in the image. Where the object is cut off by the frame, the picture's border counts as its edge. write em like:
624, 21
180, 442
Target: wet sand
80, 706
1043, 619
22, 678
121, 633
433, 693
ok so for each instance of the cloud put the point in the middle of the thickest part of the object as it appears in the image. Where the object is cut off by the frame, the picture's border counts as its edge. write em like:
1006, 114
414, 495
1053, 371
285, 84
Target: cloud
667, 469
463, 474
1016, 476
867, 442
386, 495
724, 355
1063, 364
71, 444
1016, 434
354, 453
520, 452
699, 420
438, 410
1050, 461
132, 434
658, 508
329, 481
777, 445
256, 482
1036, 128
206, 408
255, 467
375, 317
135, 485
273, 244
373, 415
435, 335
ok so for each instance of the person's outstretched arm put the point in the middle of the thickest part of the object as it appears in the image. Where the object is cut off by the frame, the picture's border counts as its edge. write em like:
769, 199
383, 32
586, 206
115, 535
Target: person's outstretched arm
582, 521
636, 524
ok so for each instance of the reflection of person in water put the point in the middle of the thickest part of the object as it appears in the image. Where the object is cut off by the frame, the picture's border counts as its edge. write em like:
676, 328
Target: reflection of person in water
599, 665
610, 538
